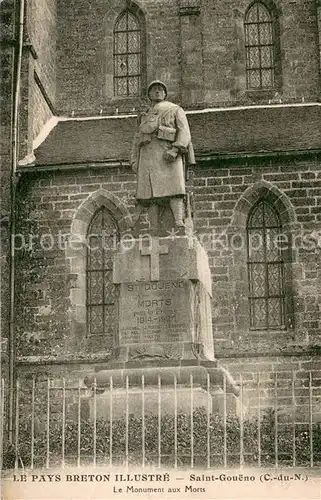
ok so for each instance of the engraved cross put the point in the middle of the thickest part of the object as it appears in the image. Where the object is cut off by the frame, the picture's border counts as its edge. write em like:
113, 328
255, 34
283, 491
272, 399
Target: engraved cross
154, 251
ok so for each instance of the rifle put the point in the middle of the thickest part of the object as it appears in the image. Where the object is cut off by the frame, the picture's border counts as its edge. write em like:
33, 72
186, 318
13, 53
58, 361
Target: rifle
189, 159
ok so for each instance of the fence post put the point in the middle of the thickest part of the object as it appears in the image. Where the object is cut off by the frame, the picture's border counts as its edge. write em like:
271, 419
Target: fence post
79, 425
259, 418
224, 421
143, 421
241, 424
111, 420
311, 419
2, 423
17, 425
48, 425
175, 421
293, 421
32, 422
208, 421
95, 425
159, 422
276, 430
127, 424
63, 422
192, 421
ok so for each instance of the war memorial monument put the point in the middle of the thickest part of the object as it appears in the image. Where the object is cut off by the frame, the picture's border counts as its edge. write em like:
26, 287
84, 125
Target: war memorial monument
164, 335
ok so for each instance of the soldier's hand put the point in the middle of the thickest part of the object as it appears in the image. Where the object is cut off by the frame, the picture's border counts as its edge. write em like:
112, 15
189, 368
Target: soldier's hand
134, 167
170, 155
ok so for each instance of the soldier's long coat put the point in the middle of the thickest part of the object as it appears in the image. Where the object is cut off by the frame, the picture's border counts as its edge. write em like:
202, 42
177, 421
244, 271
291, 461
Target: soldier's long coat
156, 177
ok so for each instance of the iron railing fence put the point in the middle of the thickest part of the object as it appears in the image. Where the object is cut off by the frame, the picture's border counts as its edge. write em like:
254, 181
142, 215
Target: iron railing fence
276, 422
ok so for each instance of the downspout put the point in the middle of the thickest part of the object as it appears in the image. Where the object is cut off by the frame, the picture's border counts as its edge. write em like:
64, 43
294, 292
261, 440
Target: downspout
318, 14
19, 20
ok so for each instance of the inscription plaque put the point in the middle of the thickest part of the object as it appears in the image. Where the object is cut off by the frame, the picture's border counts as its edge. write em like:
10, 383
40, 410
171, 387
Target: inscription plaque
155, 311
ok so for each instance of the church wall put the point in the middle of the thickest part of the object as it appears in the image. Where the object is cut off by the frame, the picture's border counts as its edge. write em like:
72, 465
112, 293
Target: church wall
319, 26
201, 56
43, 111
224, 52
216, 193
48, 202
85, 53
287, 376
42, 30
39, 75
299, 50
74, 40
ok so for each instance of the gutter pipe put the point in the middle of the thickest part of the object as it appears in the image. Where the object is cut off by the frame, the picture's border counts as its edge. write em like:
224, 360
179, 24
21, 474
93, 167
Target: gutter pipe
19, 21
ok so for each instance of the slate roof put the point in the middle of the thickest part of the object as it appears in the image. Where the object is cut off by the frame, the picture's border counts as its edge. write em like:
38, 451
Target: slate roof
233, 131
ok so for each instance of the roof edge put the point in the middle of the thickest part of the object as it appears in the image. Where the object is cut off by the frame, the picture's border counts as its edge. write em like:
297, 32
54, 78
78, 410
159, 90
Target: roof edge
200, 158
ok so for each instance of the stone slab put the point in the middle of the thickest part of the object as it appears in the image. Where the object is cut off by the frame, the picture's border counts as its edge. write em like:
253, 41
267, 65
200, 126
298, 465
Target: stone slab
133, 399
211, 385
177, 258
164, 401
155, 312
163, 319
200, 371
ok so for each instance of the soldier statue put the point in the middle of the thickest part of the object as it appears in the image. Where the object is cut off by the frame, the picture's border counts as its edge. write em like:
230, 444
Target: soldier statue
161, 151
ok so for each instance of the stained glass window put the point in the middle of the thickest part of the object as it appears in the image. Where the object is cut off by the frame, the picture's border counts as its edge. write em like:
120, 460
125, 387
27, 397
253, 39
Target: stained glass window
265, 269
127, 56
260, 47
102, 238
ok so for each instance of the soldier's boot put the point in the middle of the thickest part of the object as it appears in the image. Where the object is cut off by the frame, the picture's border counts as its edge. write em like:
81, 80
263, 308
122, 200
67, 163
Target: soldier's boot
177, 207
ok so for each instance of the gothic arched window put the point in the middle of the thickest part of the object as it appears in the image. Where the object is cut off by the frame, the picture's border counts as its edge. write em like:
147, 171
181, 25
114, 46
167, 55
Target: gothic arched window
128, 55
260, 47
102, 237
265, 269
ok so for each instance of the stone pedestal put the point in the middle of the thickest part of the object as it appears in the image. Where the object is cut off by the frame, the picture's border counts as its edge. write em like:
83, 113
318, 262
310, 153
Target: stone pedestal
183, 384
151, 401
164, 343
164, 300
163, 401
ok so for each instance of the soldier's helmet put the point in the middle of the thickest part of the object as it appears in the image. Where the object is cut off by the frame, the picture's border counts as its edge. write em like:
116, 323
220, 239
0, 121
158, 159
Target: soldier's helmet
157, 82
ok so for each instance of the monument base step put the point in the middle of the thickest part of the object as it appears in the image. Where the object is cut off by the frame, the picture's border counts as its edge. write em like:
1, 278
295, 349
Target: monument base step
152, 401
140, 385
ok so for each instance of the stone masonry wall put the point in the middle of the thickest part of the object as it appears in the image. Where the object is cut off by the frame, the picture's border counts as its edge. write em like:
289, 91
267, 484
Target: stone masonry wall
200, 56
49, 202
291, 378
42, 30
216, 195
39, 73
224, 53
85, 52
47, 205
41, 108
51, 321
